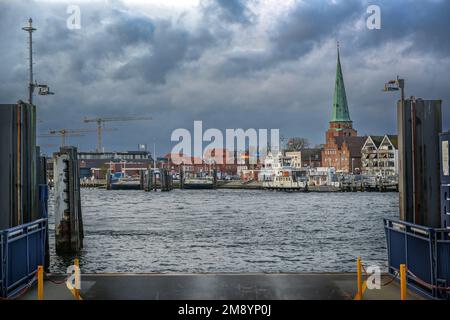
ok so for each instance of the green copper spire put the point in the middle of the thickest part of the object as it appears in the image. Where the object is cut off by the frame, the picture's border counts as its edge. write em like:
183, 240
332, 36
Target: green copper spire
340, 107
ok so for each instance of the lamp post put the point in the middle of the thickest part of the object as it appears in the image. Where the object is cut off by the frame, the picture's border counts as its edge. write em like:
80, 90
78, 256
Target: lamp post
396, 85
399, 85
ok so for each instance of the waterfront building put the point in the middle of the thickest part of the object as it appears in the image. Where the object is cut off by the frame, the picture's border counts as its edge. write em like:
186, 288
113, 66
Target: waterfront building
192, 166
279, 164
293, 159
380, 155
127, 162
342, 149
96, 164
227, 163
271, 166
218, 159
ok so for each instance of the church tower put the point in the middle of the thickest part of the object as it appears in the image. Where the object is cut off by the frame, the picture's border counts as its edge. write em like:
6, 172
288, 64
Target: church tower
340, 125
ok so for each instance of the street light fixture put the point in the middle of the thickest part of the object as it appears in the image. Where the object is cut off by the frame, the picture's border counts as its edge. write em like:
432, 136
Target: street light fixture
396, 85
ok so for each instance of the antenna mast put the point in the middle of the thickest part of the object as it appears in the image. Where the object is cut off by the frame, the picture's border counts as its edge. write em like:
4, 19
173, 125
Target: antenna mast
43, 88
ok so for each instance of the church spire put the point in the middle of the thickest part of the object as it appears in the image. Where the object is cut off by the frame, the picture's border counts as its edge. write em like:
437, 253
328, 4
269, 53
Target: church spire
340, 107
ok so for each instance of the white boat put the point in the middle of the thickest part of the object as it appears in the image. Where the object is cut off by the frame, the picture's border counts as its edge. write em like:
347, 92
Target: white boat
288, 180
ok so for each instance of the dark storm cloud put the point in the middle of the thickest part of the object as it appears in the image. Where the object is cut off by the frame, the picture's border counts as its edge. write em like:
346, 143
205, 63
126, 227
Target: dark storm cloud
169, 47
310, 23
298, 33
424, 24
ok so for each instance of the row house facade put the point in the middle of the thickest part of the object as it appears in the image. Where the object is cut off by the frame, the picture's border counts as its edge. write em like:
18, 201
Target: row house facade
379, 156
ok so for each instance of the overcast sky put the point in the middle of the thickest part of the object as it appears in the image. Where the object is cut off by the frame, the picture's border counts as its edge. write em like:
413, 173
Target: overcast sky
230, 63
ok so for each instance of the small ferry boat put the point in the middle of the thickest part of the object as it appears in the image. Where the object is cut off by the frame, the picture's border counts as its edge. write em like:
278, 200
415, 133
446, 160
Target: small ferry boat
287, 181
124, 182
199, 183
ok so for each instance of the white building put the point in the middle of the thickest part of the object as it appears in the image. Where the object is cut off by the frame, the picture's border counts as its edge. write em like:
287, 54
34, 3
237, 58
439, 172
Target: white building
272, 165
279, 164
379, 156
321, 176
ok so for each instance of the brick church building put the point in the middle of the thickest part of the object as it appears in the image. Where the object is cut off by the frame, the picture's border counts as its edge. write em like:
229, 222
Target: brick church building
342, 148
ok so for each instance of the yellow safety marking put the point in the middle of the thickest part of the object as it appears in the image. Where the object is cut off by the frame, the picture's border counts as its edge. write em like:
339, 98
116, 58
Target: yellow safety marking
359, 281
40, 276
364, 287
75, 292
403, 282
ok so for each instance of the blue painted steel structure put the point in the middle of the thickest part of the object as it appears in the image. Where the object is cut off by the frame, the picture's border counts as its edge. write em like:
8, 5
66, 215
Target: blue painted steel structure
444, 142
412, 245
426, 253
22, 250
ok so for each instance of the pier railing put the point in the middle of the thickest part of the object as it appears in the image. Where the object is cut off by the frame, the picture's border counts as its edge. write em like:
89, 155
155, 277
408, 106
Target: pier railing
426, 253
22, 250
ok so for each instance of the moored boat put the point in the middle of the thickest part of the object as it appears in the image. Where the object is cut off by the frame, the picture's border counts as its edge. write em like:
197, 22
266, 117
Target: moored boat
287, 181
198, 183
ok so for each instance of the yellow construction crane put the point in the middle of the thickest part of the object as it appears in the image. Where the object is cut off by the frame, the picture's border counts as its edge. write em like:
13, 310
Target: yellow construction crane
101, 121
63, 133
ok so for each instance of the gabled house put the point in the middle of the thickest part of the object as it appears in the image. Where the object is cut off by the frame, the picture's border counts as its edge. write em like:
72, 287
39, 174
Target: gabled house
379, 156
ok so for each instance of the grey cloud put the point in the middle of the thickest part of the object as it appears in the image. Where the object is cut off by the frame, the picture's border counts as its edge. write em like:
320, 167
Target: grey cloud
170, 46
298, 33
424, 24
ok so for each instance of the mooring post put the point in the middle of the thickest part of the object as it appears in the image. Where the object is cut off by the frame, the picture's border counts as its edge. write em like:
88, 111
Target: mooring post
141, 180
162, 178
77, 279
170, 179
68, 219
108, 179
148, 186
181, 176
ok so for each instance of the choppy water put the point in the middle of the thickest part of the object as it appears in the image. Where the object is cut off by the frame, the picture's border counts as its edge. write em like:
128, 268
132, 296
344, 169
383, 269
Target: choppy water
230, 231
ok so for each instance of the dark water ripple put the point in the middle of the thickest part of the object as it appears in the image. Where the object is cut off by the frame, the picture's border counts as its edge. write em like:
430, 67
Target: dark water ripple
230, 231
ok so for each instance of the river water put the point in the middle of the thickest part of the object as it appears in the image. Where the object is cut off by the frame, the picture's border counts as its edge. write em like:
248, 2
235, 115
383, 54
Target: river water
229, 231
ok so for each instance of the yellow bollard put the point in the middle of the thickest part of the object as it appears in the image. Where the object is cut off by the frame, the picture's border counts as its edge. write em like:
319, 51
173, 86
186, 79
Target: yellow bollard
77, 279
40, 278
359, 279
403, 282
